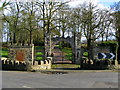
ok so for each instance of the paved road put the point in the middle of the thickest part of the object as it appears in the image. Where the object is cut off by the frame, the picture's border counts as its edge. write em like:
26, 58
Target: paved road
14, 79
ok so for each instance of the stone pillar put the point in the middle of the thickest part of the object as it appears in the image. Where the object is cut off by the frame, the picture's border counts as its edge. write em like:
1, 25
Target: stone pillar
47, 45
78, 48
78, 56
50, 46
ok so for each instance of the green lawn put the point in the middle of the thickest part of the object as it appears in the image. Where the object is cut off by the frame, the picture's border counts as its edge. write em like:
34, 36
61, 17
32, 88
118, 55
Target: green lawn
4, 52
39, 47
39, 53
39, 58
68, 58
57, 46
67, 52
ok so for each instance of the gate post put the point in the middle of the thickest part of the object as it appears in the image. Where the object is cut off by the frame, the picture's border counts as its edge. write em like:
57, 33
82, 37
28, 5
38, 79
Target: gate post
47, 48
32, 53
77, 47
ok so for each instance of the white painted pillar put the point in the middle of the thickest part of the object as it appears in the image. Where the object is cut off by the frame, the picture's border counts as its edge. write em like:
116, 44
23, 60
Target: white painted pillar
50, 46
32, 53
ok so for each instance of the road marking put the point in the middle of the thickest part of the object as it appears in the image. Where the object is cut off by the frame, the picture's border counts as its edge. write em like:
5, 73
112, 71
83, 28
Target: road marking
26, 87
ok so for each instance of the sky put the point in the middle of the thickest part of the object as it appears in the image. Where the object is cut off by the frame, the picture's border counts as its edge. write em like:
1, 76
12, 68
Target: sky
74, 3
100, 3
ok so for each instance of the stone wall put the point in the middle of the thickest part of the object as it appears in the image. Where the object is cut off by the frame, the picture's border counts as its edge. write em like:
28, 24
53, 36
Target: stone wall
97, 65
22, 65
21, 57
13, 65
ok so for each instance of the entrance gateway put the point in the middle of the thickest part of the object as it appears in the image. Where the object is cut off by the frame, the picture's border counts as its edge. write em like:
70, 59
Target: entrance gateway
74, 41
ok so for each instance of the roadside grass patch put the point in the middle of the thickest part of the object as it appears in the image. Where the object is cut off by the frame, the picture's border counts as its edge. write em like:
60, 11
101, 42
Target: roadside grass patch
65, 66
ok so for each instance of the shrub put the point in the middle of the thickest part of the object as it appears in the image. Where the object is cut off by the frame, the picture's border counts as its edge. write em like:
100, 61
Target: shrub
111, 44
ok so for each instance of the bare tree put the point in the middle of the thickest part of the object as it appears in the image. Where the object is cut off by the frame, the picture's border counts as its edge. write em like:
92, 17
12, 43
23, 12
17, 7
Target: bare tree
48, 10
116, 24
12, 18
92, 25
30, 22
106, 25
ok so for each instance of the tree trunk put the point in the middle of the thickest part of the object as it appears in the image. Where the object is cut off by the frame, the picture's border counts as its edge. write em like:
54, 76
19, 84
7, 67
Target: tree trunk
118, 51
118, 46
90, 49
74, 55
106, 38
63, 35
102, 37
14, 37
30, 37
7, 39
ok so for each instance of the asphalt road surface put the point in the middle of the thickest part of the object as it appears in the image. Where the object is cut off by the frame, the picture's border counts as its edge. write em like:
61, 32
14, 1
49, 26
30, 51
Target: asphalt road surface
15, 79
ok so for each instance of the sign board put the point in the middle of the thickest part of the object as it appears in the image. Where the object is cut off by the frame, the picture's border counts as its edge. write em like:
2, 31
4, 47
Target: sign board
20, 55
106, 56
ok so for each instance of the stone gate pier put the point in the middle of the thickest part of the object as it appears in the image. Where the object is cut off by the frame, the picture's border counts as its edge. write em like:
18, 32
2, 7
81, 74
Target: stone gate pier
74, 41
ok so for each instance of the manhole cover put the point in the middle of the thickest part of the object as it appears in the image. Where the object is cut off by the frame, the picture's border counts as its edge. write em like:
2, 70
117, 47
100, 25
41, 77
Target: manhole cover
54, 72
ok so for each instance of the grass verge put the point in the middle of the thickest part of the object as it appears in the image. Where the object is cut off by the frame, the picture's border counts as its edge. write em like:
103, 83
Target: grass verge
65, 66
